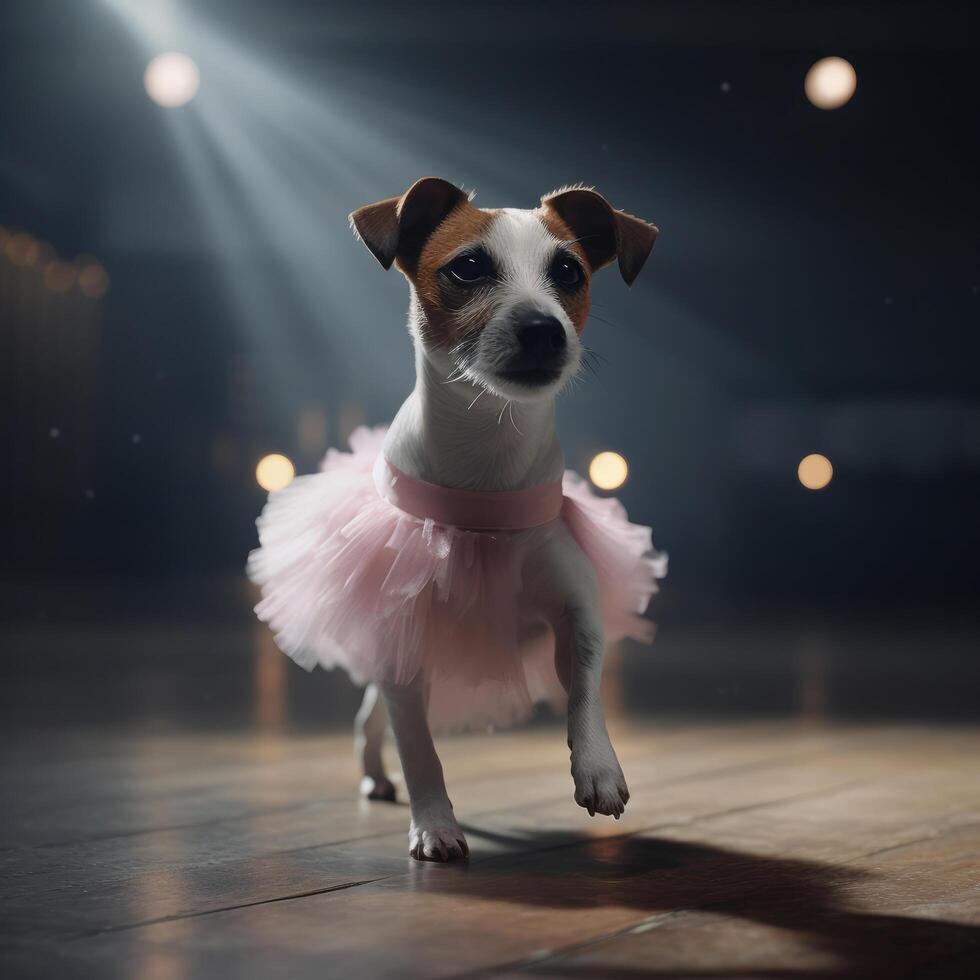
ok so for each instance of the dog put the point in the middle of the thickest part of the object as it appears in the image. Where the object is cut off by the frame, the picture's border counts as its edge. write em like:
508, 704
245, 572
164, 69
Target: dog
499, 299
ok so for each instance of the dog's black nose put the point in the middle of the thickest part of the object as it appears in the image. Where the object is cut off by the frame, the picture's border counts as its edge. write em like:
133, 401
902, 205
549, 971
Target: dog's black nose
539, 355
541, 337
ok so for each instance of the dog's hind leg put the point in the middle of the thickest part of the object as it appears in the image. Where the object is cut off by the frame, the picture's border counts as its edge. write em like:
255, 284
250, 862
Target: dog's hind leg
434, 834
370, 726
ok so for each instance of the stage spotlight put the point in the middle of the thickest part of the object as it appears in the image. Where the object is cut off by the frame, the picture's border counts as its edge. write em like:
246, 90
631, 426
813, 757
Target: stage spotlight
171, 79
815, 471
830, 83
608, 471
274, 472
93, 281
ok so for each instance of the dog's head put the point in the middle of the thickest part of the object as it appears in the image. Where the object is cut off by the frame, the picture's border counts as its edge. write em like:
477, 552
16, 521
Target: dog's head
502, 295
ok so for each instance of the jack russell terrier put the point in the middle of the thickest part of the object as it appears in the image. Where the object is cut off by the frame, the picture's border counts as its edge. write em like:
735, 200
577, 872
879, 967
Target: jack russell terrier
448, 562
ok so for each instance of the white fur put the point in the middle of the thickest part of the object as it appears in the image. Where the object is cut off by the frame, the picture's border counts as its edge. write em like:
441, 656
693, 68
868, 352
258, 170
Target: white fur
478, 433
523, 249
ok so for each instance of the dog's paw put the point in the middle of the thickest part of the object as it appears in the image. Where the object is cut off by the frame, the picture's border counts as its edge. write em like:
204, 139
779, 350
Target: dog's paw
380, 788
437, 840
600, 786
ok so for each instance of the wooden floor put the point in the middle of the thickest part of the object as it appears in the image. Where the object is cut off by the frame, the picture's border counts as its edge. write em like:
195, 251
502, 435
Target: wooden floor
748, 850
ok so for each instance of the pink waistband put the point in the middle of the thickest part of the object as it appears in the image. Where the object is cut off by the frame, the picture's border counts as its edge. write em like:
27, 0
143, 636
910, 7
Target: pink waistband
473, 510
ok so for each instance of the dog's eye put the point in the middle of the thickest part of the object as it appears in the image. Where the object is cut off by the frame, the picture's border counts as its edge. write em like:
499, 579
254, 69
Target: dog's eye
470, 268
566, 271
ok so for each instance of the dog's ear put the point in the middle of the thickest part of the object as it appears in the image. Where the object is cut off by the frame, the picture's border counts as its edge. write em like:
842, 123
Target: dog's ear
397, 227
604, 233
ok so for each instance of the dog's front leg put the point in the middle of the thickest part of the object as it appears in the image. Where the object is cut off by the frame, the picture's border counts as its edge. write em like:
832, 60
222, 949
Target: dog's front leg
434, 834
600, 786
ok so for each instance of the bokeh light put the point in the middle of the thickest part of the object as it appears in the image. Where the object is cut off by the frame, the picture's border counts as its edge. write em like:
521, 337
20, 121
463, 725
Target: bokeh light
171, 79
608, 471
815, 471
59, 276
22, 249
830, 83
93, 280
274, 472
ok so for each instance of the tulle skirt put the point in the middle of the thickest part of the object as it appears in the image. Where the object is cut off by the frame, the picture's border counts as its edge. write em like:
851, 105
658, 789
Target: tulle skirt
350, 581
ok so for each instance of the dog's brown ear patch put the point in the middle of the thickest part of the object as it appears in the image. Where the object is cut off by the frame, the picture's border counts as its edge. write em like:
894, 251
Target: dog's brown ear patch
604, 233
377, 226
398, 227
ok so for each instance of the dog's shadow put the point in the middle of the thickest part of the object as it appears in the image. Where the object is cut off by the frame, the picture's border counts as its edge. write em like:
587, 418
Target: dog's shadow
817, 902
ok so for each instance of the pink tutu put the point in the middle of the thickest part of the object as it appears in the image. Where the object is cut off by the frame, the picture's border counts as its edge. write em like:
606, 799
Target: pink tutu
350, 580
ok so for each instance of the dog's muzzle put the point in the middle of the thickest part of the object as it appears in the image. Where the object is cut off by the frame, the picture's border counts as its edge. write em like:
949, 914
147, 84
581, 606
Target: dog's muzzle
540, 351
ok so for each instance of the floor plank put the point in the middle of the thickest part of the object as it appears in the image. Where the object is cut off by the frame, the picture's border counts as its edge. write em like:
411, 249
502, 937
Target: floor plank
755, 849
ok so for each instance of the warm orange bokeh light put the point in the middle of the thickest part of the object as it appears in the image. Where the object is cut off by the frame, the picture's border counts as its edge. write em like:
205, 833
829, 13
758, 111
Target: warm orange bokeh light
93, 281
59, 276
274, 472
815, 471
608, 471
830, 83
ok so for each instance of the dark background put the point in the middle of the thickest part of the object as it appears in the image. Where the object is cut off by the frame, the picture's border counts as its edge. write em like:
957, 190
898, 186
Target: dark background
816, 288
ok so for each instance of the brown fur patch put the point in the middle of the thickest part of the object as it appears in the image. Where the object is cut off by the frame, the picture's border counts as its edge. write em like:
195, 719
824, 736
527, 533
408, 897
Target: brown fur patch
577, 304
463, 225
